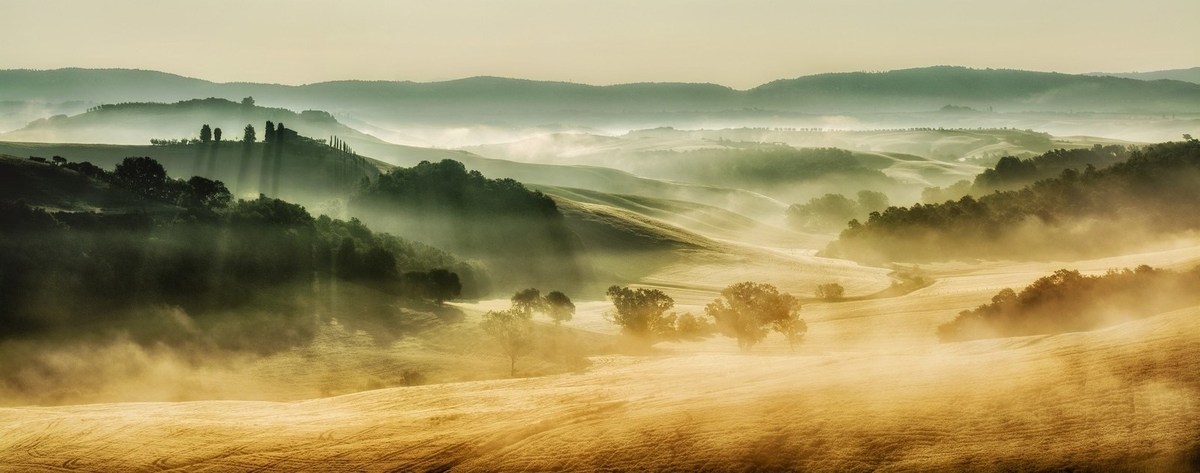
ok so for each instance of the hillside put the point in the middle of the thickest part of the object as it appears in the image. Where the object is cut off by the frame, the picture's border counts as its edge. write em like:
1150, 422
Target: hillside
309, 173
910, 89
1186, 75
1126, 205
995, 89
139, 122
1122, 399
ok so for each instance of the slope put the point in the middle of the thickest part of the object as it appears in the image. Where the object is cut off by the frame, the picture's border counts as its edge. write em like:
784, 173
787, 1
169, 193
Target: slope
1115, 399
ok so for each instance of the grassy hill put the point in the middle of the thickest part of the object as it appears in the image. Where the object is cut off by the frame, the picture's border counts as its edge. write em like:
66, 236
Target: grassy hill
311, 174
139, 122
910, 89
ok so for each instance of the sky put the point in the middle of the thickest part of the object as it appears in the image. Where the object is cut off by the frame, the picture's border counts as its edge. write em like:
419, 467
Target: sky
739, 43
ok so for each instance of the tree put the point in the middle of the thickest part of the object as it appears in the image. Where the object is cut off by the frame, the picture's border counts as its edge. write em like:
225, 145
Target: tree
217, 135
269, 133
559, 307
513, 330
747, 310
248, 102
871, 201
248, 134
205, 133
443, 285
528, 301
830, 291
206, 193
142, 175
59, 160
641, 312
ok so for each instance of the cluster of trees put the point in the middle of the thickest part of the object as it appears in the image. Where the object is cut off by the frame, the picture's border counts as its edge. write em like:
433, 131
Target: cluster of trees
512, 328
498, 221
746, 311
1152, 192
831, 212
1068, 301
146, 177
209, 256
1012, 173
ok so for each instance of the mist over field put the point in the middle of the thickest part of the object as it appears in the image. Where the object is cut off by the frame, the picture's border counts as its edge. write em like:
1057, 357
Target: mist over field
382, 236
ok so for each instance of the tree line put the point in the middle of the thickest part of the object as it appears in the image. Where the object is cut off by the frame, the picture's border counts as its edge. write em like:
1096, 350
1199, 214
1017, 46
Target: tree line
1150, 193
192, 246
1068, 301
746, 311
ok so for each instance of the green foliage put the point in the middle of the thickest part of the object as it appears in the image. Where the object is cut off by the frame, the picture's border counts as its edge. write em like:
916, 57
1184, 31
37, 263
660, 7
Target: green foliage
747, 310
1014, 173
1153, 192
66, 269
144, 176
641, 312
206, 133
517, 232
1068, 301
248, 135
832, 211
206, 193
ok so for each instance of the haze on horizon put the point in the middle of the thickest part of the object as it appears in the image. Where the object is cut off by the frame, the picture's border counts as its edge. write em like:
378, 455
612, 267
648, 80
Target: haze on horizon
739, 45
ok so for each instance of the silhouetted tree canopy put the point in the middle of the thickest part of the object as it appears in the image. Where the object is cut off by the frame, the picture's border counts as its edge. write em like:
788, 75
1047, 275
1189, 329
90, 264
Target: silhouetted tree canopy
248, 135
144, 176
559, 307
206, 133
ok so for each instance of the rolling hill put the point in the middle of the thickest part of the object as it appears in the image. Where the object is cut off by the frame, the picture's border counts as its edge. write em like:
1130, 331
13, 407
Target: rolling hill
902, 90
1186, 75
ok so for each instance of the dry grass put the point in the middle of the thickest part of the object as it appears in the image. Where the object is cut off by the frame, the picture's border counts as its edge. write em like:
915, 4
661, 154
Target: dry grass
870, 390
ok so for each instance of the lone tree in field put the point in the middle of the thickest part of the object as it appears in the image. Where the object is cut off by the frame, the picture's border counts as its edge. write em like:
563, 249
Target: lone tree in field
217, 135
830, 292
559, 307
269, 132
513, 330
248, 135
205, 133
641, 312
748, 310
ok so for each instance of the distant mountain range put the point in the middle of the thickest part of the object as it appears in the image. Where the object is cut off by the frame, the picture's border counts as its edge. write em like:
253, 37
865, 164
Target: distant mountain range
1186, 75
491, 98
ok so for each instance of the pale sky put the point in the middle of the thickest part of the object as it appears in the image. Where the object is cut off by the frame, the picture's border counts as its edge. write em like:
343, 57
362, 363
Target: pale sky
737, 43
